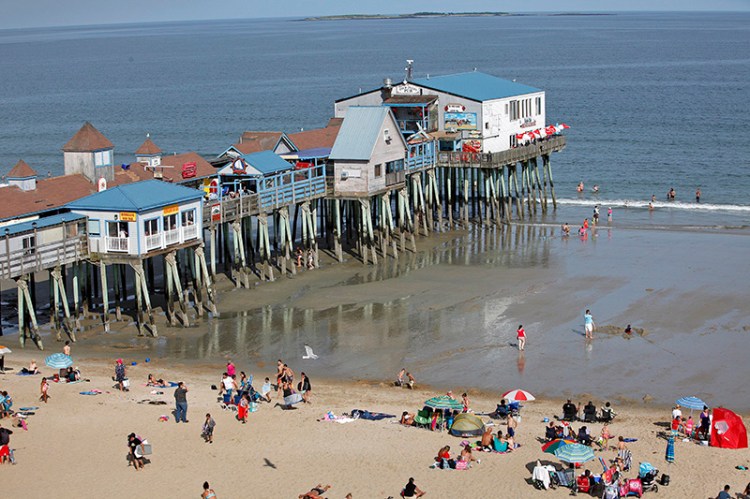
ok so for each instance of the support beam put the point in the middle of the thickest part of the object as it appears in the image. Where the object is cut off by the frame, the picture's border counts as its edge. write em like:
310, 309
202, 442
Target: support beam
105, 296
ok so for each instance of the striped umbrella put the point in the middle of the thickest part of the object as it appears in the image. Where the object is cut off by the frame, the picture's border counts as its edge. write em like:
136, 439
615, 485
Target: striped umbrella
518, 396
692, 403
552, 446
444, 402
58, 361
574, 453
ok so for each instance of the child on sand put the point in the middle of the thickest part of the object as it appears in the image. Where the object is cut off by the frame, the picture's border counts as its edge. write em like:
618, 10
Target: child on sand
43, 389
208, 429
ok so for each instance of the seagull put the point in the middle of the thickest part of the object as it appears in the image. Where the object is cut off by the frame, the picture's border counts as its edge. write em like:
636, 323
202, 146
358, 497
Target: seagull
309, 353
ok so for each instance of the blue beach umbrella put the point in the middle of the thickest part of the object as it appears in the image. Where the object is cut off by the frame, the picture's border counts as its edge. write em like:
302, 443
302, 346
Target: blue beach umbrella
691, 403
574, 453
58, 361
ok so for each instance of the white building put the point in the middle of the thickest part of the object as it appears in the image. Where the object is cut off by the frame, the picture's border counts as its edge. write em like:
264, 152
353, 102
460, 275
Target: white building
472, 111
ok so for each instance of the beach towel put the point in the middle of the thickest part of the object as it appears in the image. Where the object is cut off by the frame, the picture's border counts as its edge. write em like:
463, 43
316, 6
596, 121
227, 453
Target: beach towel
91, 392
370, 416
28, 409
629, 440
669, 456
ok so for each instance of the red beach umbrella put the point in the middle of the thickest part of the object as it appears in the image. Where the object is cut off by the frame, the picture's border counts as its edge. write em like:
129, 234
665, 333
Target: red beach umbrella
518, 395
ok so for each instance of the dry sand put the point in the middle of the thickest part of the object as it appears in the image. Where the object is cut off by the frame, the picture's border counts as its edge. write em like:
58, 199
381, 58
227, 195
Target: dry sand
76, 444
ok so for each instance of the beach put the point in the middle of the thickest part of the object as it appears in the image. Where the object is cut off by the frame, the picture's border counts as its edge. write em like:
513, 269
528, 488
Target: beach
448, 314
76, 444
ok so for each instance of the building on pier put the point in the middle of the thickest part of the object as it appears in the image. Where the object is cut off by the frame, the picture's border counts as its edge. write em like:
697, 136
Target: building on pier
473, 111
90, 153
252, 142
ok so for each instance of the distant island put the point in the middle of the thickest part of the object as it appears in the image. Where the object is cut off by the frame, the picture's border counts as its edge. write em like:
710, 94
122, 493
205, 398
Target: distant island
416, 15
424, 15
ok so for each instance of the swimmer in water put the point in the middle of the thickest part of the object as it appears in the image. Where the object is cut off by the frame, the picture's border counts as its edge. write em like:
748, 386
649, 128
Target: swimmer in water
580, 186
609, 215
595, 189
650, 207
565, 229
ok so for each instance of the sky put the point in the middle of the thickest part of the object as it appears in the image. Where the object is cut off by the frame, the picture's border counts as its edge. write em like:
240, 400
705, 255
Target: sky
38, 13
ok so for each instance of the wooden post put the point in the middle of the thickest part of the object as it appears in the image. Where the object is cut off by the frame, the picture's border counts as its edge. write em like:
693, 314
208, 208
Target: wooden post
212, 248
24, 297
171, 260
548, 166
337, 230
105, 296
519, 203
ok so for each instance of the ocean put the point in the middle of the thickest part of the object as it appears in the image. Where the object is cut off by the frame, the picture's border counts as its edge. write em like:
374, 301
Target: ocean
655, 101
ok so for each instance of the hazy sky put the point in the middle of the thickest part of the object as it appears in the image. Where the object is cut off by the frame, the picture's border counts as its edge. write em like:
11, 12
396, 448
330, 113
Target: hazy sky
27, 13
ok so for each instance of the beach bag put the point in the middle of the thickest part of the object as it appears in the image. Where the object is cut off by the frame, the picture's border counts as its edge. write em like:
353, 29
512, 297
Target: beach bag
126, 383
665, 480
611, 492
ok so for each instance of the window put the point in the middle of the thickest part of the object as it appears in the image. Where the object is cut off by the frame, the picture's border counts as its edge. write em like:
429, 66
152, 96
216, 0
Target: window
394, 166
117, 229
506, 108
538, 106
378, 170
188, 217
151, 227
94, 228
103, 158
170, 222
29, 245
514, 110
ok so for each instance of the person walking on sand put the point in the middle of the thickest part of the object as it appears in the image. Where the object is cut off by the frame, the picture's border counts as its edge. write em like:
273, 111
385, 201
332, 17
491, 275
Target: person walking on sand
521, 336
120, 375
208, 429
208, 492
44, 387
588, 324
181, 405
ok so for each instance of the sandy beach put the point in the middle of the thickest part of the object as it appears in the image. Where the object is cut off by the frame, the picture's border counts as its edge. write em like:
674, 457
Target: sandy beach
76, 444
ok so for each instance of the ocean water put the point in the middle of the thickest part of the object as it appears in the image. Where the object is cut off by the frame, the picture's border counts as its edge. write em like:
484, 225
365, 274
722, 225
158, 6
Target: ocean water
654, 100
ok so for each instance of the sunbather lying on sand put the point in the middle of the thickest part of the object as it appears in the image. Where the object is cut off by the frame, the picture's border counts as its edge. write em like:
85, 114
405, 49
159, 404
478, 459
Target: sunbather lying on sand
315, 492
155, 382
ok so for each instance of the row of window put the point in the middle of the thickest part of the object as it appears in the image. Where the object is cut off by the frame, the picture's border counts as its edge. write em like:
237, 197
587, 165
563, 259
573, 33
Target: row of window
524, 108
150, 226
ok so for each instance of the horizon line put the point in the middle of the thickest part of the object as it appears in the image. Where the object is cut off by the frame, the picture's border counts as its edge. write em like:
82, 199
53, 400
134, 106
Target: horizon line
302, 17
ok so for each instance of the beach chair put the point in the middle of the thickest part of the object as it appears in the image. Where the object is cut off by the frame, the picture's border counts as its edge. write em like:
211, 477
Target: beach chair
589, 414
423, 419
502, 412
566, 478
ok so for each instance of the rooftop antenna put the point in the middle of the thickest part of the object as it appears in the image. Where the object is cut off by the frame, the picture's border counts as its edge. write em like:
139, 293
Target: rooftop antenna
409, 68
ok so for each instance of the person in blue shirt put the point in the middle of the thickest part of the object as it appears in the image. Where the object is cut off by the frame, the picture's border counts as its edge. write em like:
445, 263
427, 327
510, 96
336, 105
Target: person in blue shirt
588, 324
724, 494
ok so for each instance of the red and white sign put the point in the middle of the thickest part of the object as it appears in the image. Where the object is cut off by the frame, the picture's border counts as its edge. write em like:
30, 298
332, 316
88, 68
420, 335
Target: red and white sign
455, 108
189, 169
216, 213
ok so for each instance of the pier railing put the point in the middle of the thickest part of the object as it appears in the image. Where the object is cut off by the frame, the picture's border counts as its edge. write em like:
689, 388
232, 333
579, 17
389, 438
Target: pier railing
42, 257
496, 159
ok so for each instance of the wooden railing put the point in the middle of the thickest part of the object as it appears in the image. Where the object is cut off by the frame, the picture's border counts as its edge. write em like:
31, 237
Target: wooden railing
46, 256
496, 159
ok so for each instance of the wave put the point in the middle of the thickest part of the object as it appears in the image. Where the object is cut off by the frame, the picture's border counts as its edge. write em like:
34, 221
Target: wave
639, 203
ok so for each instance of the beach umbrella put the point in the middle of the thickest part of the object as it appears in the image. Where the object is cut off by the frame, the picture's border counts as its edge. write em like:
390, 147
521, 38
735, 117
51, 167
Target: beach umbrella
518, 396
574, 453
58, 361
444, 402
691, 403
552, 446
4, 350
294, 398
551, 130
519, 136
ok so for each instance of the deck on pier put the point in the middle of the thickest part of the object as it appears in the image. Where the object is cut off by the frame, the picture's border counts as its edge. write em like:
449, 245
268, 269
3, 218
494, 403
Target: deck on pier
43, 257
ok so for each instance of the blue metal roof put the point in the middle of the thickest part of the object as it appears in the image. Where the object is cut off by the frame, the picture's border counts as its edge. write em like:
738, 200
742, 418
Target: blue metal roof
359, 132
40, 223
475, 86
137, 197
267, 162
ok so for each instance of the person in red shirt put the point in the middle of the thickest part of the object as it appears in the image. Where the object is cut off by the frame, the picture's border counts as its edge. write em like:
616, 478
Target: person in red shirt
521, 335
676, 425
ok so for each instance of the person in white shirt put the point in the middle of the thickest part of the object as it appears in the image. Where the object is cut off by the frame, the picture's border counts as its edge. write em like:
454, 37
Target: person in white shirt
676, 412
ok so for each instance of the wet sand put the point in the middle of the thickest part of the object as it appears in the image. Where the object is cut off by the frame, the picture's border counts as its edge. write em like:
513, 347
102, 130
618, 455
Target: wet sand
449, 313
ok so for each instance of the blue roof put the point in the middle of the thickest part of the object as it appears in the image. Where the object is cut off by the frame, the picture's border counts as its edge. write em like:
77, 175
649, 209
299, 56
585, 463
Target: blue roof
267, 162
359, 132
41, 223
475, 86
314, 153
137, 197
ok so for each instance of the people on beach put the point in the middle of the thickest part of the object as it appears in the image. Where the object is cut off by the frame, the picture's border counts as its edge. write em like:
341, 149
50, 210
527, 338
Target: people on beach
208, 429
5, 452
671, 194
242, 408
231, 369
521, 337
228, 387
208, 492
32, 369
588, 324
580, 186
66, 348
609, 215
698, 195
653, 198
595, 189
400, 377
310, 259
120, 375
565, 229
152, 381
265, 390
705, 427
305, 388
628, 330
407, 418
724, 494
596, 214
486, 441
465, 401
586, 223
181, 404
136, 457
43, 389
299, 255
315, 492
411, 379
